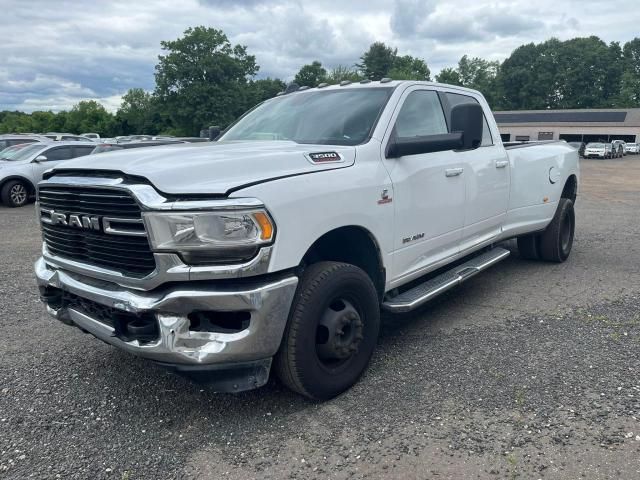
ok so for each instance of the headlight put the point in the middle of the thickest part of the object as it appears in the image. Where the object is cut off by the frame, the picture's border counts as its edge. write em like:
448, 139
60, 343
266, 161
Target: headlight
210, 237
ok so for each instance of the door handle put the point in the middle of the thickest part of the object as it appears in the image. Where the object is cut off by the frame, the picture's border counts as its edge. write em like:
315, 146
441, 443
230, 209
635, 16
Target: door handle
453, 172
502, 163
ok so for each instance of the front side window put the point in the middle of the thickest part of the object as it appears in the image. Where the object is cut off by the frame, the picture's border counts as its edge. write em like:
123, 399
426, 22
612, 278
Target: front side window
325, 117
421, 115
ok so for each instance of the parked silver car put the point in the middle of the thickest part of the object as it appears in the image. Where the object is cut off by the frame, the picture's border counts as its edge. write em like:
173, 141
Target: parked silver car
66, 137
91, 136
598, 150
21, 170
9, 140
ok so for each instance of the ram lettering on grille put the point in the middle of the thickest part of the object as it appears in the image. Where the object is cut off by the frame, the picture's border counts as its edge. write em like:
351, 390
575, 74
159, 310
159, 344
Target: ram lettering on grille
95, 226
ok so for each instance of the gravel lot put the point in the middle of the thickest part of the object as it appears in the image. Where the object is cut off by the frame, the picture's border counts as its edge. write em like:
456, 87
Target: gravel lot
530, 370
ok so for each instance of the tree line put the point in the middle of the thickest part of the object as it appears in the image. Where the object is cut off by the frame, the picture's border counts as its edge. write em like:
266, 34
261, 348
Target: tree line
202, 79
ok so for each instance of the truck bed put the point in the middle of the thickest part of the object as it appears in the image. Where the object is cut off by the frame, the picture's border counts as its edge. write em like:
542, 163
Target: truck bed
512, 145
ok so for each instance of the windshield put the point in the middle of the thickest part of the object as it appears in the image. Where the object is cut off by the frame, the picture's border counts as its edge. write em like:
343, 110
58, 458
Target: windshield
595, 145
330, 117
22, 153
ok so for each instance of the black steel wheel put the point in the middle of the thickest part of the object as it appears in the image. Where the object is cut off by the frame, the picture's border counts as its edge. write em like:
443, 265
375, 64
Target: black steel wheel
331, 331
557, 240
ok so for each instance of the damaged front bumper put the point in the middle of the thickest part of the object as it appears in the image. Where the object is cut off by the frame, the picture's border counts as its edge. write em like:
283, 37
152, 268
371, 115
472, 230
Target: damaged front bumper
162, 325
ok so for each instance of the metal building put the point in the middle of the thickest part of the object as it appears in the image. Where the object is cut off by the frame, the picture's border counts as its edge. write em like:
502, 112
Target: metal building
596, 125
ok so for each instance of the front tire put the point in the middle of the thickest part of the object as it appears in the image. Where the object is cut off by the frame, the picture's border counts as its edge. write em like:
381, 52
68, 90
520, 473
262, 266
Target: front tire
14, 193
331, 332
557, 240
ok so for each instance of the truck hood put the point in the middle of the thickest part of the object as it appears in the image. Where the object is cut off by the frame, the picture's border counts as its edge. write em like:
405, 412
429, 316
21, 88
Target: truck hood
216, 168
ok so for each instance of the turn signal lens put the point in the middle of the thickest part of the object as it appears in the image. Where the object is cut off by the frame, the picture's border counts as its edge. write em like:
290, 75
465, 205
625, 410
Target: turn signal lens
266, 228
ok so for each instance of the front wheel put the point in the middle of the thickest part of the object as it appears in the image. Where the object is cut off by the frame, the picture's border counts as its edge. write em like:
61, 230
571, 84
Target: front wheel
14, 193
331, 332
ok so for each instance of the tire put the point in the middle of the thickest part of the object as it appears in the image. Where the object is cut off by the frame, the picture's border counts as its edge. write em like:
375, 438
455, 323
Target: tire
528, 247
14, 193
331, 298
556, 241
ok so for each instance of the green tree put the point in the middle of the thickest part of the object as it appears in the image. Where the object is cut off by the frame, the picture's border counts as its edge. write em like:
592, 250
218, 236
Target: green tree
631, 52
136, 113
311, 75
342, 73
449, 76
629, 91
409, 68
630, 81
201, 79
577, 73
90, 116
480, 75
377, 62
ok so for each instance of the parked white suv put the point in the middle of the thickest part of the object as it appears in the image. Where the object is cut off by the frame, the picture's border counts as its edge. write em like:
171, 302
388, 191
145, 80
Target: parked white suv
632, 148
21, 171
280, 243
598, 150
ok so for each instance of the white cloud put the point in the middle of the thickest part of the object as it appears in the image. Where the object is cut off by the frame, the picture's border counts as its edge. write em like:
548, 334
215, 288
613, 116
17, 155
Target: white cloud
54, 54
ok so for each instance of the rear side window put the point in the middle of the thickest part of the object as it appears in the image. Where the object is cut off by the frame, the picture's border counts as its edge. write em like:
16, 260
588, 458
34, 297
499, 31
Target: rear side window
457, 99
421, 115
59, 153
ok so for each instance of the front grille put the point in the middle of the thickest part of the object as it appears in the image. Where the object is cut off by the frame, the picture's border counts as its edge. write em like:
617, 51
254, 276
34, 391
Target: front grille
128, 254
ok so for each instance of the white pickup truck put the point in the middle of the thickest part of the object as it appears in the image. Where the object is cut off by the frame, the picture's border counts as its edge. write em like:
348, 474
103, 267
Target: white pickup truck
280, 244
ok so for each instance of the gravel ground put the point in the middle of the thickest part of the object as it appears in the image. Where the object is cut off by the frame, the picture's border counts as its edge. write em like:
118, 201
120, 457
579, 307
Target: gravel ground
529, 370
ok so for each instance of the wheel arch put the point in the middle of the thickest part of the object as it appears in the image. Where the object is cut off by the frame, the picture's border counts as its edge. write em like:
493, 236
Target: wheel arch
570, 189
27, 182
352, 244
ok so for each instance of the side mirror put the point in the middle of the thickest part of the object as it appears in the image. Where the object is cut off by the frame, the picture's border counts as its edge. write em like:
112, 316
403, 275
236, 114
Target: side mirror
467, 118
424, 144
213, 133
40, 158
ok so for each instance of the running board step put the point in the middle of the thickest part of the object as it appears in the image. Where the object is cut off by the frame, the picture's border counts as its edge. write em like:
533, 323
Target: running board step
433, 287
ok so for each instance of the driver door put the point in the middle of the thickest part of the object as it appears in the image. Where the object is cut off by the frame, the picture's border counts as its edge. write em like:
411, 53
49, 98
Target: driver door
428, 189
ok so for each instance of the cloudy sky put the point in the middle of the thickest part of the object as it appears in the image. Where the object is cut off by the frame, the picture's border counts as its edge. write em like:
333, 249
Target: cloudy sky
55, 53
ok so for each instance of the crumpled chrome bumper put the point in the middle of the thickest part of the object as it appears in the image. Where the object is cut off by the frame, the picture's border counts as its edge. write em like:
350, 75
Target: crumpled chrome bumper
267, 301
